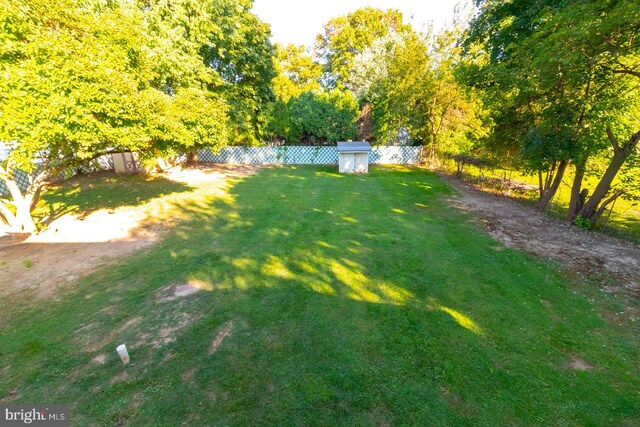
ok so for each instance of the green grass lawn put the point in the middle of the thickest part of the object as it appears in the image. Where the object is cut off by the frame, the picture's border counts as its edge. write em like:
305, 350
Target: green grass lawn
327, 300
82, 195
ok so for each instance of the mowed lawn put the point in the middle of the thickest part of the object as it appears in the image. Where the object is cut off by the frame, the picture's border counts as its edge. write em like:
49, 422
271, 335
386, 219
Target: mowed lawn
326, 299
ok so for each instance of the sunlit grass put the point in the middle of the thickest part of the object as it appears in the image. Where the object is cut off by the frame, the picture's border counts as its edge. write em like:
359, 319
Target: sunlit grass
325, 299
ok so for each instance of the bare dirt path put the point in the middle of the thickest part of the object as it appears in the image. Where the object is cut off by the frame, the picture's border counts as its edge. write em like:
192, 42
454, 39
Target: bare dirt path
520, 226
73, 246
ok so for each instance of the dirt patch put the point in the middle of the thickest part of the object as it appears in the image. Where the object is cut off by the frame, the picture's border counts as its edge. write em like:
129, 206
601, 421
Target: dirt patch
110, 310
216, 394
225, 331
456, 403
191, 419
188, 288
74, 245
137, 400
122, 376
188, 375
99, 359
185, 290
14, 394
167, 333
589, 254
578, 364
92, 341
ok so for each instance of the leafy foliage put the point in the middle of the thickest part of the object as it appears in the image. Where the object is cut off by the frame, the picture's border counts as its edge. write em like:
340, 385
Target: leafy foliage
305, 112
240, 51
409, 81
81, 78
325, 117
346, 36
296, 72
560, 80
107, 76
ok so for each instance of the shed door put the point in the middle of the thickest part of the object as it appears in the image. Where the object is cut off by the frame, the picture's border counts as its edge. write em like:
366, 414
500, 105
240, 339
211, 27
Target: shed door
362, 162
347, 162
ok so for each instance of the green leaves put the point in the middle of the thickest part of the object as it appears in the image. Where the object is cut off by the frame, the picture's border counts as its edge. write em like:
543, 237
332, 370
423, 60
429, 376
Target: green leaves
80, 78
83, 77
346, 36
296, 72
548, 73
327, 117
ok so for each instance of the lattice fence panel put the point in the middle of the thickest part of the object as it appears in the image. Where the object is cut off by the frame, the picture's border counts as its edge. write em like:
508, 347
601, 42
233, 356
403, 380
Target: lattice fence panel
306, 155
396, 155
272, 155
288, 155
23, 179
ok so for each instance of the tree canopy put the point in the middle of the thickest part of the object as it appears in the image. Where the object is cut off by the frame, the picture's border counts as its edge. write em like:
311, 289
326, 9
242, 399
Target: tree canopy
81, 78
546, 86
296, 72
346, 36
560, 80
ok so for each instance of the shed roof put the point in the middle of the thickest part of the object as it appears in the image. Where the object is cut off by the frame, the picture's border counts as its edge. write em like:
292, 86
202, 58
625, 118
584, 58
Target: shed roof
354, 147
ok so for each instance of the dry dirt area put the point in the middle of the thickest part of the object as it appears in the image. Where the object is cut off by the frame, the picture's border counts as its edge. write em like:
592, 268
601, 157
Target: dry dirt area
71, 246
520, 226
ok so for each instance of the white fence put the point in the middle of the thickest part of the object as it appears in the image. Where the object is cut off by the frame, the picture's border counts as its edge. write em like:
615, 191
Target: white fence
307, 155
23, 179
286, 155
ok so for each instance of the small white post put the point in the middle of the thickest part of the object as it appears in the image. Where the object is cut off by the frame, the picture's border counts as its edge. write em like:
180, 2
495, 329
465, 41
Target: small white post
122, 352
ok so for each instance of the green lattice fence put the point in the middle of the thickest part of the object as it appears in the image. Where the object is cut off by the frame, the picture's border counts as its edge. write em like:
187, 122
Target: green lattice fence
23, 178
288, 155
306, 155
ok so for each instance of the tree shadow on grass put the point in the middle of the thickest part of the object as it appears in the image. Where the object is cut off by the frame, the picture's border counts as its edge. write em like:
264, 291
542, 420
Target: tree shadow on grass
337, 299
85, 194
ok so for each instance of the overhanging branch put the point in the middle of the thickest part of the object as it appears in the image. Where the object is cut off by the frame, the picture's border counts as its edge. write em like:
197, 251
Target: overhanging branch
613, 139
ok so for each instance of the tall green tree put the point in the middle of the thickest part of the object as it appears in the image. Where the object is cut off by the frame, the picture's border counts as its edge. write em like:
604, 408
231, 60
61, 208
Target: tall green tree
82, 78
346, 36
296, 72
409, 81
239, 50
69, 91
324, 117
558, 77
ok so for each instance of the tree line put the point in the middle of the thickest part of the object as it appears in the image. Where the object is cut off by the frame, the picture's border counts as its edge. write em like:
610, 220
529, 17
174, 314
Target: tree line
543, 87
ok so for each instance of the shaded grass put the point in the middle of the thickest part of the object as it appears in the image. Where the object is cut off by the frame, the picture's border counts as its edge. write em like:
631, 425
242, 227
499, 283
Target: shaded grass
83, 195
352, 300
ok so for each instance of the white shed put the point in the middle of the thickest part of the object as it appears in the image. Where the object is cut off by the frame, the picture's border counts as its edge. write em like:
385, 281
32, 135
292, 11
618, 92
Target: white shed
353, 156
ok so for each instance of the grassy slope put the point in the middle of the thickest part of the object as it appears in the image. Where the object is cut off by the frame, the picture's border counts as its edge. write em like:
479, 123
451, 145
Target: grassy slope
353, 300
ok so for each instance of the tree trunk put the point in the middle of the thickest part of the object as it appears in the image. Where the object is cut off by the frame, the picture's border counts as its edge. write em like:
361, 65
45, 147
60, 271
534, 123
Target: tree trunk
192, 156
549, 177
540, 185
578, 195
549, 193
594, 206
21, 221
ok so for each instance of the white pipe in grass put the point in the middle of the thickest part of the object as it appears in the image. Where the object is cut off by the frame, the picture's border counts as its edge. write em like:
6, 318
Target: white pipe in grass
123, 353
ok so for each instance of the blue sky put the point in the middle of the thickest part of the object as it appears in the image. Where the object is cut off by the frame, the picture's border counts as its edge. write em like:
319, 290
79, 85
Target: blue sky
299, 22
